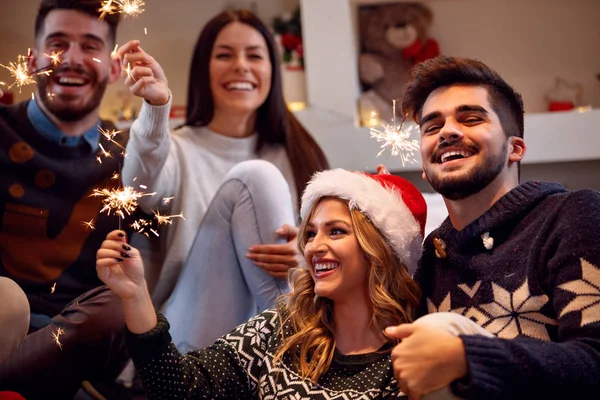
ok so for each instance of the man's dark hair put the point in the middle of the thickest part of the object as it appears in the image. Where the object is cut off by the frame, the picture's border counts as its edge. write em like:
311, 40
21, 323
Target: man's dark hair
90, 7
444, 71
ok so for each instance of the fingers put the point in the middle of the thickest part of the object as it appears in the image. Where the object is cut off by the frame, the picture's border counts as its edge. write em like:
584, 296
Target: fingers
400, 331
289, 260
117, 235
274, 268
129, 47
137, 58
288, 231
139, 87
282, 249
115, 247
382, 170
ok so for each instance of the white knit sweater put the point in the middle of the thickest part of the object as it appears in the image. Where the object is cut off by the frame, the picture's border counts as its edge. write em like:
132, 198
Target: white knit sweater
188, 164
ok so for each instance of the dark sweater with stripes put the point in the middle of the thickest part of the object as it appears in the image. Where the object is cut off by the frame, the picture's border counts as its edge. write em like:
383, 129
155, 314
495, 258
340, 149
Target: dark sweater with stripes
528, 271
44, 201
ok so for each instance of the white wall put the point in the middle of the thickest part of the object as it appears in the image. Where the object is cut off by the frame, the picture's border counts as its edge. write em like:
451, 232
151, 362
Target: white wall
173, 27
529, 42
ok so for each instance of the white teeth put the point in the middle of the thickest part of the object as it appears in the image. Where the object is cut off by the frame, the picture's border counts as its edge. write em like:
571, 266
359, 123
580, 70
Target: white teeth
325, 266
240, 86
70, 81
464, 154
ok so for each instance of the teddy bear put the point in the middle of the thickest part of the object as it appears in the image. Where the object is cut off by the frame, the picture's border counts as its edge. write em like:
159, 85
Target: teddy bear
393, 38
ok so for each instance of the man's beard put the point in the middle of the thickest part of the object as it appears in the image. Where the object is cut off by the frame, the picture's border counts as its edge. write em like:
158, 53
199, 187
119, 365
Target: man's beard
67, 112
458, 188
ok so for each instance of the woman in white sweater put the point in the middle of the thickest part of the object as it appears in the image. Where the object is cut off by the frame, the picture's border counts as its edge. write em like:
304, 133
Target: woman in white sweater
236, 169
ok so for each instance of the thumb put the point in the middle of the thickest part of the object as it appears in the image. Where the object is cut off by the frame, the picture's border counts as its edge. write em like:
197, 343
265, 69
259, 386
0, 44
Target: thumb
287, 231
382, 170
400, 331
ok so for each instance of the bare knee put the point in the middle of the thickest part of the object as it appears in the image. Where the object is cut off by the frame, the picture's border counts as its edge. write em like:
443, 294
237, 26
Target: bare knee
14, 316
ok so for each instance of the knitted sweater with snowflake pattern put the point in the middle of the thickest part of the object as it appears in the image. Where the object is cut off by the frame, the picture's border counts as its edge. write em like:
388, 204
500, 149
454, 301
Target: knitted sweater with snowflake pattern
240, 366
528, 271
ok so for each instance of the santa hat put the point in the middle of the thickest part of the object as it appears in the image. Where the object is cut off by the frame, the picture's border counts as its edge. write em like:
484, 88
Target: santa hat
393, 204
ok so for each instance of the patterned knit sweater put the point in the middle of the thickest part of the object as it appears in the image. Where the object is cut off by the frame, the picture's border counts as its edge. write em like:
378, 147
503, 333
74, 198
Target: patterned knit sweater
44, 201
240, 366
528, 271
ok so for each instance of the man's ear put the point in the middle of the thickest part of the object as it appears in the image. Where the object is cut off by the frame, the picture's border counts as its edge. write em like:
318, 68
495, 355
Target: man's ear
517, 149
423, 174
115, 69
32, 60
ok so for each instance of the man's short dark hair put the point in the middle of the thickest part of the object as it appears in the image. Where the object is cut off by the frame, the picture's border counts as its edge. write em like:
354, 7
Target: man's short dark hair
444, 71
90, 7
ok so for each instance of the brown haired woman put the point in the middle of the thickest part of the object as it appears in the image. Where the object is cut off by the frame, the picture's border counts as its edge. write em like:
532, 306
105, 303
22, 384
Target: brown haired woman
325, 340
235, 169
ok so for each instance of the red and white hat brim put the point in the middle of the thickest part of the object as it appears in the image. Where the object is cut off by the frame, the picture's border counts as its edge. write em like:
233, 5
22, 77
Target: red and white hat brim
382, 205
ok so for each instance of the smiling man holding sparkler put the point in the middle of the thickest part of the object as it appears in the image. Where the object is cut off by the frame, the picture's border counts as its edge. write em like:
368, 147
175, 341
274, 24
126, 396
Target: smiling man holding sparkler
49, 170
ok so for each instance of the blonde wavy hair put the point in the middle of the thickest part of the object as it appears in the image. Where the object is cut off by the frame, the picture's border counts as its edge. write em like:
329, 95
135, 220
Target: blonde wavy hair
393, 294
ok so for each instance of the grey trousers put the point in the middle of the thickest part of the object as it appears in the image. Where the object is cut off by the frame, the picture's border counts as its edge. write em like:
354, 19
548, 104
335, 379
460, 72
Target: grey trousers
219, 288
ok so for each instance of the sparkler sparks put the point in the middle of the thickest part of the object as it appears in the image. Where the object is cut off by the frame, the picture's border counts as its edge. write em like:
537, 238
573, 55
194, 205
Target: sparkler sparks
167, 200
397, 139
107, 8
53, 288
109, 134
129, 8
89, 225
166, 219
143, 226
113, 54
55, 57
128, 71
56, 336
19, 70
120, 201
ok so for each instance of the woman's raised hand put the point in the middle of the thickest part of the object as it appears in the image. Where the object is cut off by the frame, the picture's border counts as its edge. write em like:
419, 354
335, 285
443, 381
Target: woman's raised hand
120, 267
143, 75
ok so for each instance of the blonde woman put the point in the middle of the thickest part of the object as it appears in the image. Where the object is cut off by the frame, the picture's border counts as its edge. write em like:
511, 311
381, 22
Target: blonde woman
360, 234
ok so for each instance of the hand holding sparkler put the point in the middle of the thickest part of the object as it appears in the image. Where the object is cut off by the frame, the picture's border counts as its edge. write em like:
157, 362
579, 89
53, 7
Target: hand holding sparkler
145, 77
120, 267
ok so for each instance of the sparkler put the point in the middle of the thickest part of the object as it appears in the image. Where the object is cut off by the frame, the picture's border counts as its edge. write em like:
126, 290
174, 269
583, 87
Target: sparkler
107, 8
129, 8
53, 288
397, 139
19, 70
56, 336
120, 201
